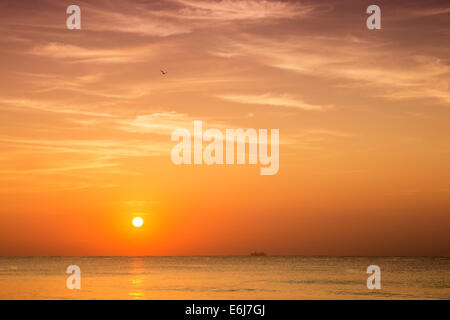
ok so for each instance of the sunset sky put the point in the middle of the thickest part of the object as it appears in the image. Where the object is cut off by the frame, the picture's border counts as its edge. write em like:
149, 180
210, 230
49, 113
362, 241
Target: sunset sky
86, 118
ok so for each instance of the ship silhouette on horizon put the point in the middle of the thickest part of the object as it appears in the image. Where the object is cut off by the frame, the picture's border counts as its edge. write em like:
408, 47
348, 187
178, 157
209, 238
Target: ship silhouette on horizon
258, 254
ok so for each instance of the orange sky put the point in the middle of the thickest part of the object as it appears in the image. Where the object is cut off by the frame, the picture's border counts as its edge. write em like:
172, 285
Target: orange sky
86, 118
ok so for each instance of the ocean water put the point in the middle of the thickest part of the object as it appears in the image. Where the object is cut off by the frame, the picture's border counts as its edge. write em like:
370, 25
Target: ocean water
224, 278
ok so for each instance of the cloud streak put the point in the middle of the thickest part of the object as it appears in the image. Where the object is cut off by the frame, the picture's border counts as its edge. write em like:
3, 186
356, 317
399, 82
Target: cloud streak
76, 54
269, 99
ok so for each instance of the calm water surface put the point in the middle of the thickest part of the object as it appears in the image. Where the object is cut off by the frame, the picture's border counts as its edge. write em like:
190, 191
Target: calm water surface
224, 278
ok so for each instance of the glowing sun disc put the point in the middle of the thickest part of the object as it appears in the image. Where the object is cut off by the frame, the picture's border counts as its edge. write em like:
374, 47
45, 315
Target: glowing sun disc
138, 222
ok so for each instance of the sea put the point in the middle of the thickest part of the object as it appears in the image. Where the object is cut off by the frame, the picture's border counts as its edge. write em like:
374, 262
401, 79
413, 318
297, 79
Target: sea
269, 277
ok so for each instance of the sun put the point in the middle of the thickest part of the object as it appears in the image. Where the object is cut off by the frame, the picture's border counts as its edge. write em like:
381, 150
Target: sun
138, 222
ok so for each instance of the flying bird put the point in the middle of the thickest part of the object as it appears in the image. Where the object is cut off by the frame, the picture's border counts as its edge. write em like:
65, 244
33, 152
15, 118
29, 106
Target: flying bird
163, 72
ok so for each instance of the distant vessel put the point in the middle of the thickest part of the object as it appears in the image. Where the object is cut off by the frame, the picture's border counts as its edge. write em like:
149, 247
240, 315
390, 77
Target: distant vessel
258, 254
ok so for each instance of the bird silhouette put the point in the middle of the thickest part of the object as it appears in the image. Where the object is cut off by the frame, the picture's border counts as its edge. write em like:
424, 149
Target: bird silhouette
163, 72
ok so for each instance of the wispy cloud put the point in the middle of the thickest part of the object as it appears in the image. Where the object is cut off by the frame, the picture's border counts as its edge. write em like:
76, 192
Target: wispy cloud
177, 17
403, 76
51, 106
269, 99
162, 123
138, 19
229, 10
102, 149
76, 54
86, 84
419, 10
